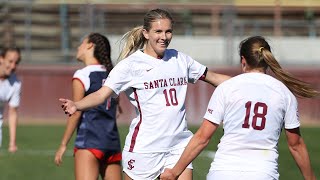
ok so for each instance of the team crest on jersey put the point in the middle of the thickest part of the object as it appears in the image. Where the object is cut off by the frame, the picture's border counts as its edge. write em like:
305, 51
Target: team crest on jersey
130, 164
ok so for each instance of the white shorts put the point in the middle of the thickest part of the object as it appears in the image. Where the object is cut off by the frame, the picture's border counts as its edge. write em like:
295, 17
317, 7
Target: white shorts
239, 175
149, 166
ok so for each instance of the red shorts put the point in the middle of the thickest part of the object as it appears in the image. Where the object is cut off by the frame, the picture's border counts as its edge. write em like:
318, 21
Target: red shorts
109, 156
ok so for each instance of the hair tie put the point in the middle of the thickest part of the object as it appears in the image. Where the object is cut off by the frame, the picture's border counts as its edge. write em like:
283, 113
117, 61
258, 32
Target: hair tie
260, 49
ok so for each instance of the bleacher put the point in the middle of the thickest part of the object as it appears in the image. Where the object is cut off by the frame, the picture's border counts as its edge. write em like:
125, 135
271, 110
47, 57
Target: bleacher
38, 28
204, 31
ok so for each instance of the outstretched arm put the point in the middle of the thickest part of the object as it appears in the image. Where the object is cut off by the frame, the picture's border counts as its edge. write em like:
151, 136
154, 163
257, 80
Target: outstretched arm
197, 143
90, 101
215, 79
299, 152
13, 121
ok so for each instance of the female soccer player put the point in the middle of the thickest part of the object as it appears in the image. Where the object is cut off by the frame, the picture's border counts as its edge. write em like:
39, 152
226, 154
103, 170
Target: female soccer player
155, 80
10, 90
253, 107
97, 145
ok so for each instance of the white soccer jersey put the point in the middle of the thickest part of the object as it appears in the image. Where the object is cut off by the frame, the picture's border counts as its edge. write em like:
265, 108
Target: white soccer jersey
10, 90
253, 108
157, 88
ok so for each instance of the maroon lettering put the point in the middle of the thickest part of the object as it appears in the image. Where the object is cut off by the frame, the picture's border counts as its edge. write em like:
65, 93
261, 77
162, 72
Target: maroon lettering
145, 85
165, 84
171, 81
151, 85
161, 82
156, 84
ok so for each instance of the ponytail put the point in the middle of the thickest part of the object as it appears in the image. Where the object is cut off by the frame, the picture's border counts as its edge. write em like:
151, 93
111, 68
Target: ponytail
257, 53
134, 40
296, 86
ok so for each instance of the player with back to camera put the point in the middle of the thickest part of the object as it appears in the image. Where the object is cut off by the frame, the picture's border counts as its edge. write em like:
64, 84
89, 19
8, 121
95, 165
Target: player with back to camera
155, 80
97, 144
10, 92
253, 108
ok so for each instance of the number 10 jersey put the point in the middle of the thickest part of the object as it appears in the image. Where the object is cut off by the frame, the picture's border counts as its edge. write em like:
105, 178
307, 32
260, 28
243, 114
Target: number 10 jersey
157, 89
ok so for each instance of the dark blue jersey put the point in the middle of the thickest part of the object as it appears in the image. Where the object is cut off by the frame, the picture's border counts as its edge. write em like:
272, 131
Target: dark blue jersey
97, 128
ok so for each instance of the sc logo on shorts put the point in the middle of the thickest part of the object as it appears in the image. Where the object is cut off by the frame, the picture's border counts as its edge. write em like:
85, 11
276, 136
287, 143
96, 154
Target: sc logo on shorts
130, 164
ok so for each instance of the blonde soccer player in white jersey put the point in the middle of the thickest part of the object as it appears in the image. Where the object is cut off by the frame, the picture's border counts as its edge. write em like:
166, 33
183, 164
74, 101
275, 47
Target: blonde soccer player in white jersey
10, 90
155, 80
253, 108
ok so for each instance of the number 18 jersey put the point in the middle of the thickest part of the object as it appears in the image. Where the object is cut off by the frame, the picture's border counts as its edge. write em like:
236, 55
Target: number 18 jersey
157, 89
253, 108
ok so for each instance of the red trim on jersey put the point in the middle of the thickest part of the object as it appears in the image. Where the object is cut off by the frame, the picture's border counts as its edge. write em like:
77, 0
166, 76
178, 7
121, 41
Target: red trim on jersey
203, 77
80, 82
136, 129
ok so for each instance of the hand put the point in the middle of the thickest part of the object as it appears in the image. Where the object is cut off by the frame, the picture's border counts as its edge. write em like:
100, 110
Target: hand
59, 154
68, 106
12, 148
168, 175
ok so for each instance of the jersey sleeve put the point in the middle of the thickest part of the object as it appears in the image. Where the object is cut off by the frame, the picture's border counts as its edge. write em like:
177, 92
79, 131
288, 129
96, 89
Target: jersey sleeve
120, 77
14, 101
291, 118
215, 110
195, 70
83, 78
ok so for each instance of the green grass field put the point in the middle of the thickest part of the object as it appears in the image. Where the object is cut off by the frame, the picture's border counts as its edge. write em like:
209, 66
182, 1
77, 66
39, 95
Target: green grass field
37, 145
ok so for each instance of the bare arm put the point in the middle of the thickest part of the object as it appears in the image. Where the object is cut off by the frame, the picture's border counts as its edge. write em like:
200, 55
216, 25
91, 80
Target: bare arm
197, 143
215, 79
13, 121
299, 152
78, 94
90, 101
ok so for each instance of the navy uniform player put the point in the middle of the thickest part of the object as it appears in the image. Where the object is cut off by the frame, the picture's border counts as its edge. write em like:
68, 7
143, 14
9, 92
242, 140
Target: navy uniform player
155, 80
97, 144
10, 91
253, 108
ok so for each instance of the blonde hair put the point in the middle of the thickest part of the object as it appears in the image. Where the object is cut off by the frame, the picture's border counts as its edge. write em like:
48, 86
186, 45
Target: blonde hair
134, 39
258, 54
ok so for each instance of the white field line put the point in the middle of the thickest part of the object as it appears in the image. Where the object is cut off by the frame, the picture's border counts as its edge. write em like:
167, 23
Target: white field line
209, 154
33, 152
38, 152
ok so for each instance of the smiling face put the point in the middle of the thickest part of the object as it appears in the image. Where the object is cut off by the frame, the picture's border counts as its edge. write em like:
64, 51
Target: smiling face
9, 62
158, 37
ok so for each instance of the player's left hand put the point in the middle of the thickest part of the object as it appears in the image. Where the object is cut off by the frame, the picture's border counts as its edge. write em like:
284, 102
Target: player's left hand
68, 106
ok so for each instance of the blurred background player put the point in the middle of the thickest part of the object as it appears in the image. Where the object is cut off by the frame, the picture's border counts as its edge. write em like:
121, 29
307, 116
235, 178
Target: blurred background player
253, 107
155, 80
97, 145
10, 91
